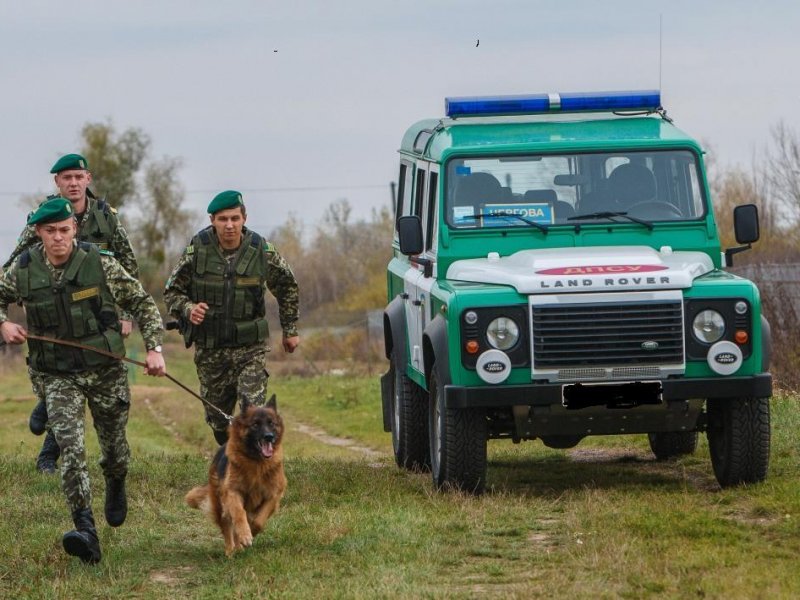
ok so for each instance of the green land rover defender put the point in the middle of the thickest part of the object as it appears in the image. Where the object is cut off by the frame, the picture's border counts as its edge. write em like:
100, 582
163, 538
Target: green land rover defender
557, 273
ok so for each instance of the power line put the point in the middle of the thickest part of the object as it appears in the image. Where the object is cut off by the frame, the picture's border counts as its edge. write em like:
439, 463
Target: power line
318, 188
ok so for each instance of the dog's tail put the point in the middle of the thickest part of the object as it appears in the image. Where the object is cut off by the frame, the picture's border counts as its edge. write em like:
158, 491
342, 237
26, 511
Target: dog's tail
198, 498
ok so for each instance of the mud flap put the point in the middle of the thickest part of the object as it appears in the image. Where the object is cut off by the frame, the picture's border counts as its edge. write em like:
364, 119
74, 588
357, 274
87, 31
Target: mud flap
386, 399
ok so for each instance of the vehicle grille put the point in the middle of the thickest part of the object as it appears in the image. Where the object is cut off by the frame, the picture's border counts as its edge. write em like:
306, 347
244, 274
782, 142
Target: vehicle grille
579, 335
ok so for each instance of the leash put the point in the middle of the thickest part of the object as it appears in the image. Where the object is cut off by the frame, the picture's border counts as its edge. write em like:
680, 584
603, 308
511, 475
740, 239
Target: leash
44, 338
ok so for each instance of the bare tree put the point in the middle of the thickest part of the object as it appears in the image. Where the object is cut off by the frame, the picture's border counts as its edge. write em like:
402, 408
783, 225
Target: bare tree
782, 173
162, 225
114, 159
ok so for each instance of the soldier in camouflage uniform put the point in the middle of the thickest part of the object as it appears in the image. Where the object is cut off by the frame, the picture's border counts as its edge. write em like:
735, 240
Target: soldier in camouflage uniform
217, 293
70, 291
99, 225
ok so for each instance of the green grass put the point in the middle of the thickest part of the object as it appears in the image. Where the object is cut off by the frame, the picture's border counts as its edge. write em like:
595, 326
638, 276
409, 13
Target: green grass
601, 521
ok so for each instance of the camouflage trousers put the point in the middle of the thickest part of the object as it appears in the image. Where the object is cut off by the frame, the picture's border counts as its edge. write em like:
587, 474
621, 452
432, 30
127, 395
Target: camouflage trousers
106, 392
230, 374
37, 385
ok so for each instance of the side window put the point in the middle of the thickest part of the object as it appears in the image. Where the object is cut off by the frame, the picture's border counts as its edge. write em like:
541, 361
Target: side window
697, 196
432, 194
419, 195
404, 190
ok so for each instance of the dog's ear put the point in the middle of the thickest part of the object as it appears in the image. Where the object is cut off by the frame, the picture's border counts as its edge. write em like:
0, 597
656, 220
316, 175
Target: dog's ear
272, 402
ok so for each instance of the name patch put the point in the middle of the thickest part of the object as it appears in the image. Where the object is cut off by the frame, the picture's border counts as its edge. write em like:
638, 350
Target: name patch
84, 294
248, 281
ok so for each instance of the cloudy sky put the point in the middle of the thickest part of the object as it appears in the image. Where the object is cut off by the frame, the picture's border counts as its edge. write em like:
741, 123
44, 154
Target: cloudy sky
302, 103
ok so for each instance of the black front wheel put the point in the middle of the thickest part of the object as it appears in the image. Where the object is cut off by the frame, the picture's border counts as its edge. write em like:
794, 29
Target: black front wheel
738, 439
457, 442
409, 419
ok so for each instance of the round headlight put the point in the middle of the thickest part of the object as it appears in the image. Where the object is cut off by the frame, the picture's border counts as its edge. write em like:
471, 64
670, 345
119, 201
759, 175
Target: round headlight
708, 326
502, 333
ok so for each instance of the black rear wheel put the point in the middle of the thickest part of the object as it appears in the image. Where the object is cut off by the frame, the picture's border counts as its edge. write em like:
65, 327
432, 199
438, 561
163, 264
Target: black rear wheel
409, 419
457, 442
739, 439
672, 444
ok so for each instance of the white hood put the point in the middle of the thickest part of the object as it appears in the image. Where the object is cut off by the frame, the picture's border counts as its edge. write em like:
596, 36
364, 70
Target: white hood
588, 269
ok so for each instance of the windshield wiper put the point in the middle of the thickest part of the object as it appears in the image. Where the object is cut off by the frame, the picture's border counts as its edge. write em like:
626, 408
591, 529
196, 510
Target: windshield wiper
610, 215
541, 227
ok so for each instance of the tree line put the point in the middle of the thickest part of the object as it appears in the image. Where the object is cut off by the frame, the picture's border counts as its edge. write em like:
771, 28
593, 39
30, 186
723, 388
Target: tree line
340, 263
771, 182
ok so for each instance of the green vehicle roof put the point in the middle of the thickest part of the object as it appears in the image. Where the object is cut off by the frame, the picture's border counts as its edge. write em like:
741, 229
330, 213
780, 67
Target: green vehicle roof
436, 139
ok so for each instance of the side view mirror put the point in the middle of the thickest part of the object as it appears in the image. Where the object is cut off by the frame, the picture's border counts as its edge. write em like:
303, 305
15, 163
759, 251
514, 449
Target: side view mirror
409, 231
745, 228
745, 223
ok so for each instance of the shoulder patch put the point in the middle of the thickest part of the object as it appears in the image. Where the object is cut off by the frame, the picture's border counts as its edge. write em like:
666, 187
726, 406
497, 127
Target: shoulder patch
189, 249
105, 252
112, 209
268, 247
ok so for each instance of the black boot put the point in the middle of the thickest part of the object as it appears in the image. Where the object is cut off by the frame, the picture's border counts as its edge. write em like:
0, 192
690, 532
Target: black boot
116, 501
82, 541
220, 436
46, 461
38, 420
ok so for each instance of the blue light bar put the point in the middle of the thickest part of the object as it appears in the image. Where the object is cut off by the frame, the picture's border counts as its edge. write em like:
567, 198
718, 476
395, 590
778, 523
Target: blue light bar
496, 105
646, 100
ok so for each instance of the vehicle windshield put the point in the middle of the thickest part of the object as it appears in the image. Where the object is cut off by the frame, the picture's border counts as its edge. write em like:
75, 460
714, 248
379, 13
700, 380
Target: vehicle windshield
573, 189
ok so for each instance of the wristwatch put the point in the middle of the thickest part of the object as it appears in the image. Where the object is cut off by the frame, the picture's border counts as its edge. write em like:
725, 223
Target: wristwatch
156, 348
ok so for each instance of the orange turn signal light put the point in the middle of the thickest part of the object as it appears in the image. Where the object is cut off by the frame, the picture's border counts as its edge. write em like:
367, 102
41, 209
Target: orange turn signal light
742, 337
472, 347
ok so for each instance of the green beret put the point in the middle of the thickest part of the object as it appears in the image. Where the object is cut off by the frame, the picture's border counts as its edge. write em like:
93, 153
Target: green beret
223, 200
69, 161
52, 211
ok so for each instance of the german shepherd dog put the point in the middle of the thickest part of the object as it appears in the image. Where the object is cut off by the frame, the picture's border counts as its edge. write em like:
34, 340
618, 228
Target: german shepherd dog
245, 480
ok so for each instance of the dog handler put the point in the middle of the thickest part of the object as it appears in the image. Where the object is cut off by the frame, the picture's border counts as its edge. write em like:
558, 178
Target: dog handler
69, 290
99, 225
217, 292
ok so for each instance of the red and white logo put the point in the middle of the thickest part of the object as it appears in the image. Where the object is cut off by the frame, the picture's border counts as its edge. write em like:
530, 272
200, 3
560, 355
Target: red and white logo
602, 270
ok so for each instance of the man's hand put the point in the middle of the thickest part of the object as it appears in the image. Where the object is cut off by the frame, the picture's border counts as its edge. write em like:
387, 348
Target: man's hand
13, 333
198, 313
290, 343
127, 327
156, 366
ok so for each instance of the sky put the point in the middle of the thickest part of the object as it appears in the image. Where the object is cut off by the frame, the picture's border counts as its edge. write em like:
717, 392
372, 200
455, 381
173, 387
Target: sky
299, 104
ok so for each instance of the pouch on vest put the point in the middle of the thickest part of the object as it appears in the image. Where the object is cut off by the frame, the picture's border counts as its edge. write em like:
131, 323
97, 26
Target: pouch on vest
251, 332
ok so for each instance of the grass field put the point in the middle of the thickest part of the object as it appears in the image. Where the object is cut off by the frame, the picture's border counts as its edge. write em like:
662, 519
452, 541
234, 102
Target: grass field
603, 520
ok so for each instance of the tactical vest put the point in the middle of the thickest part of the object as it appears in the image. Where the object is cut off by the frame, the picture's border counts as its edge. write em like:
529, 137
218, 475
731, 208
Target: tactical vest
233, 290
79, 308
99, 225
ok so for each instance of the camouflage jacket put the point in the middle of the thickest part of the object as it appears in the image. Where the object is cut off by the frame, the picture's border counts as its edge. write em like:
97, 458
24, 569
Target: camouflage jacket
127, 292
280, 281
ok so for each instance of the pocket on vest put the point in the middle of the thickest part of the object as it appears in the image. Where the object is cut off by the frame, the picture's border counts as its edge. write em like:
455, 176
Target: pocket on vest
251, 332
109, 341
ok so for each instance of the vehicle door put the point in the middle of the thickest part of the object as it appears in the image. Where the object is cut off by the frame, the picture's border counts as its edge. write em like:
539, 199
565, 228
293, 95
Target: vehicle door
417, 286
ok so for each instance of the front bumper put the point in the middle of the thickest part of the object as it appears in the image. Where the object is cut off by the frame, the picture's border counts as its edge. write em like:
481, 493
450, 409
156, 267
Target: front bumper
546, 394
